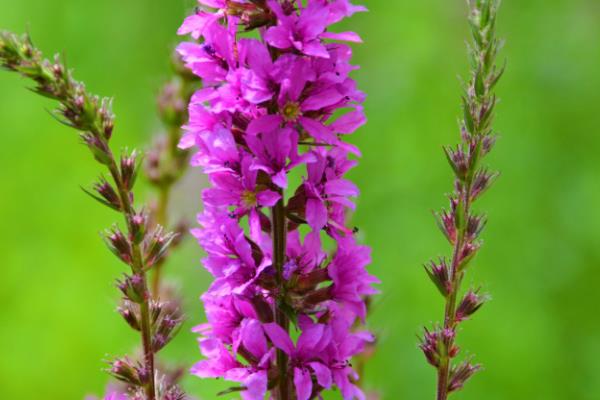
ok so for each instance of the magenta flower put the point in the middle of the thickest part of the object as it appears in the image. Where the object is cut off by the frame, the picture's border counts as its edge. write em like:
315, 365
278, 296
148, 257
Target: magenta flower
307, 99
304, 31
273, 113
325, 189
313, 340
240, 190
351, 281
276, 153
221, 363
304, 257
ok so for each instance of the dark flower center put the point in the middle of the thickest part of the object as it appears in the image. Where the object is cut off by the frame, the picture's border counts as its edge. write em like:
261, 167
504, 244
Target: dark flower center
291, 111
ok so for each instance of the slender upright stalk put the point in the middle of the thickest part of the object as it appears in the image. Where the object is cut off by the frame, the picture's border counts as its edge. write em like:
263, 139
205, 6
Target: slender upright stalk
162, 220
138, 248
279, 239
167, 163
460, 224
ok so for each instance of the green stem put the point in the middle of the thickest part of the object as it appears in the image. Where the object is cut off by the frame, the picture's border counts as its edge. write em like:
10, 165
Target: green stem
161, 219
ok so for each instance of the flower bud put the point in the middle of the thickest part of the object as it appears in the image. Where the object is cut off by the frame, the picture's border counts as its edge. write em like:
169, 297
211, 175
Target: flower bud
119, 245
157, 245
108, 127
97, 146
445, 222
460, 374
79, 102
166, 330
133, 288
438, 345
458, 161
488, 143
470, 303
107, 194
166, 320
106, 117
138, 227
466, 255
440, 276
124, 370
156, 309
129, 169
481, 182
475, 225
129, 312
57, 68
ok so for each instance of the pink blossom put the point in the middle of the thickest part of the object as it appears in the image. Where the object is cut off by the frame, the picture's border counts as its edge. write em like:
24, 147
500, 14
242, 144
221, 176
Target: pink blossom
268, 129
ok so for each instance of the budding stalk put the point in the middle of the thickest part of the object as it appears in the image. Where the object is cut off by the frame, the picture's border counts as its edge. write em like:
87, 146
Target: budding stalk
166, 163
461, 226
93, 117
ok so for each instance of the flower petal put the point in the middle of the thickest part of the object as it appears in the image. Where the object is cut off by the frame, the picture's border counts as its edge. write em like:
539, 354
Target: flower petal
349, 122
253, 337
196, 24
256, 386
268, 198
266, 123
345, 36
278, 36
316, 214
317, 130
280, 179
279, 337
303, 383
315, 48
310, 338
322, 373
341, 187
321, 100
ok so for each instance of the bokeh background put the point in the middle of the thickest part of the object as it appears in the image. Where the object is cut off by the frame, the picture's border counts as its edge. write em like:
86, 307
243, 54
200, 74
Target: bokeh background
540, 336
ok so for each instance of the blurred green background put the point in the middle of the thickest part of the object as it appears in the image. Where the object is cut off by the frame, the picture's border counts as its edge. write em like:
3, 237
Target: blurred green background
540, 336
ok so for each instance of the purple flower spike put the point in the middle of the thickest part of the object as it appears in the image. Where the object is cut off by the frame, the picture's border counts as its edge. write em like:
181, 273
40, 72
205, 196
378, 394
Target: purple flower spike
270, 107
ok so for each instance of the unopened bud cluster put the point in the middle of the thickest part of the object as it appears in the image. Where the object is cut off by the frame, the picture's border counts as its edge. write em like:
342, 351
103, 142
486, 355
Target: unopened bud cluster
139, 246
165, 162
459, 224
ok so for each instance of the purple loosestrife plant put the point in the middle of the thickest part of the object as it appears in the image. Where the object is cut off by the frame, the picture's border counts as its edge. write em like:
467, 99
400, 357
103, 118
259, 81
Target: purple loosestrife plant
139, 246
271, 106
460, 224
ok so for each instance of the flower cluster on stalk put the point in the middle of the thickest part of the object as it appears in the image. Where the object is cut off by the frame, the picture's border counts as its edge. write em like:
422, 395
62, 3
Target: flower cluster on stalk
273, 103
